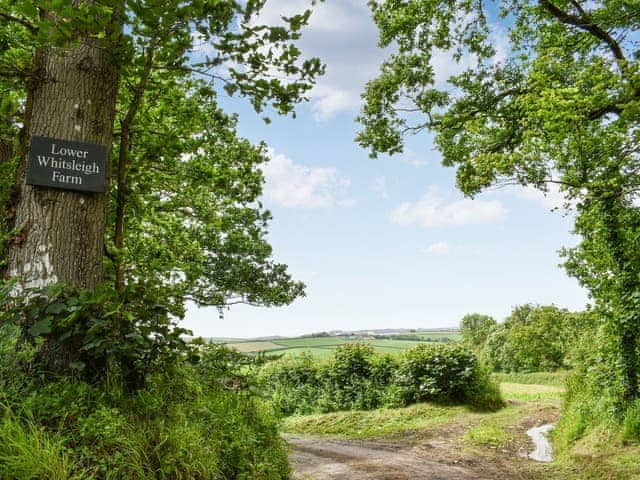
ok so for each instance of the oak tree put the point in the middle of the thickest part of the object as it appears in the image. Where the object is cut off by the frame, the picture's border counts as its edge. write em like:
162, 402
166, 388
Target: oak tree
559, 105
180, 218
90, 71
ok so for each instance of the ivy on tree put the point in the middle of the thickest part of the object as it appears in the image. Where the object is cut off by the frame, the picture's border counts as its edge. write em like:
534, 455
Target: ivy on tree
561, 108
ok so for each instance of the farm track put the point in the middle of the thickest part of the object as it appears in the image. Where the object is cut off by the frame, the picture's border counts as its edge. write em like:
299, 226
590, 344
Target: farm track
328, 459
438, 452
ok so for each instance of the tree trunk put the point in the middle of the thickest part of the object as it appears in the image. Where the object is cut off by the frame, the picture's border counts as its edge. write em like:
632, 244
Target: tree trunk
60, 234
629, 357
628, 316
6, 210
6, 151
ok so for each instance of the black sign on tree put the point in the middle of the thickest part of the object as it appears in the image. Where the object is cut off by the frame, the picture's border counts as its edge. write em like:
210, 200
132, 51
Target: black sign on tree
68, 165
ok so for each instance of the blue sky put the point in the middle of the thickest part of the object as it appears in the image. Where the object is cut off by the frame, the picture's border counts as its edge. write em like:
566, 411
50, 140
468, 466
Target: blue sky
387, 242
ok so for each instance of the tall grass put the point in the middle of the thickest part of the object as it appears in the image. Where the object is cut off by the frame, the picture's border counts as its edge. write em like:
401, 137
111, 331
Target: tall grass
28, 451
190, 421
557, 378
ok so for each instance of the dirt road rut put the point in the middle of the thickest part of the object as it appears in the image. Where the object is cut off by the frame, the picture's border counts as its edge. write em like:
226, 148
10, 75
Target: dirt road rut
328, 459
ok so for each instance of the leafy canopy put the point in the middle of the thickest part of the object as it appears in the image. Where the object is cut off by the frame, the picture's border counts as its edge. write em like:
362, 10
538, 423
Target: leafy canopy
560, 104
185, 219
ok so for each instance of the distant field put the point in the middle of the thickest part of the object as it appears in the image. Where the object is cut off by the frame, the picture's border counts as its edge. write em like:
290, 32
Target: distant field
254, 347
322, 347
451, 335
313, 342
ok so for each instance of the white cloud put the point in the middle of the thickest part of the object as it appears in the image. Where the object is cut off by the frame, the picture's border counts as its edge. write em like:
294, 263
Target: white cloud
438, 248
553, 198
410, 157
294, 185
380, 187
344, 37
432, 210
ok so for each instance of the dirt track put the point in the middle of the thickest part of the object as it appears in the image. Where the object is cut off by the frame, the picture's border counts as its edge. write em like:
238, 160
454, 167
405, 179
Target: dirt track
439, 454
321, 459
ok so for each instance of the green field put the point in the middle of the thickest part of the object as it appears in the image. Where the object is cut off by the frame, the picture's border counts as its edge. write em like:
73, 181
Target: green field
322, 347
437, 335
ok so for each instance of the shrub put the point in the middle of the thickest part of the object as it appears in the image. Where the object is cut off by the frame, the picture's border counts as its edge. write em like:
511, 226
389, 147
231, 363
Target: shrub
443, 373
355, 378
292, 384
90, 334
352, 379
188, 422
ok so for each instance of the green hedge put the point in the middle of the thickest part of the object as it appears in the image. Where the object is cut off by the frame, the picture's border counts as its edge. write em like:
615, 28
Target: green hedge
355, 378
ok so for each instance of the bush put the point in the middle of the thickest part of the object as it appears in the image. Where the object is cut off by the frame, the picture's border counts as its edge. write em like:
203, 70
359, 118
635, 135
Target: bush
292, 384
444, 373
355, 378
188, 422
90, 334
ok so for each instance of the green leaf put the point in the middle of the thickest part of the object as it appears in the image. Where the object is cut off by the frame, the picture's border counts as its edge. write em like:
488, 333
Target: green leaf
41, 327
56, 308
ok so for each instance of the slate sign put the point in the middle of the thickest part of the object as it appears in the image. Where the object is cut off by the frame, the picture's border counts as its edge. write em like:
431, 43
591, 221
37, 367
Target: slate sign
68, 165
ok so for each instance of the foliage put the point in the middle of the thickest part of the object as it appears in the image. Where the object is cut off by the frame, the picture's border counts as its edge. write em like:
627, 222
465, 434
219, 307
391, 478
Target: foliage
559, 107
533, 338
355, 378
292, 384
109, 369
444, 373
493, 350
474, 328
104, 333
184, 219
188, 422
594, 388
193, 225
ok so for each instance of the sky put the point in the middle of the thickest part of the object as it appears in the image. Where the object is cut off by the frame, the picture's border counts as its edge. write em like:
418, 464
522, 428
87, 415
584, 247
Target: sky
385, 243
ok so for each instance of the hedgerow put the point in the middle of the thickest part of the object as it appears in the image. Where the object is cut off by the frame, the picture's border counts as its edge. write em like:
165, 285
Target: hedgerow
355, 378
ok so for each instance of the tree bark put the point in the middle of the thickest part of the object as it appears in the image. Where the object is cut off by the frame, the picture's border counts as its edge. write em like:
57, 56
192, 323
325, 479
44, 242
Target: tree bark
6, 151
60, 234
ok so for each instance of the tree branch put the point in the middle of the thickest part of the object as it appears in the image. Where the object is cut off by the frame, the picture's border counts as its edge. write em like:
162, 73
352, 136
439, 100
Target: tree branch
123, 159
31, 27
583, 23
602, 111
